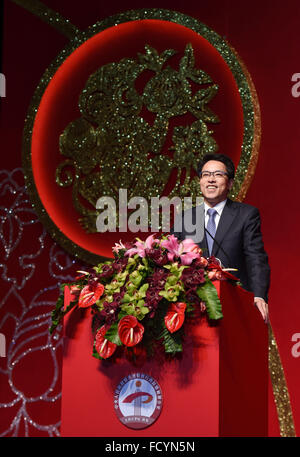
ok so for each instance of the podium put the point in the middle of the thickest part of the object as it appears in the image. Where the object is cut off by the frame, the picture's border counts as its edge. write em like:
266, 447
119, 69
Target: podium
218, 386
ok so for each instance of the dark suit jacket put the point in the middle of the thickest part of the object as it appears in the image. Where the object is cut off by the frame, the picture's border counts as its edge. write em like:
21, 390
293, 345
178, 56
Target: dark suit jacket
238, 244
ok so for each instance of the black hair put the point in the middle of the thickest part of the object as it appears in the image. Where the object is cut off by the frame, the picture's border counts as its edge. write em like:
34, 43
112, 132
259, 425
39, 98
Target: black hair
220, 158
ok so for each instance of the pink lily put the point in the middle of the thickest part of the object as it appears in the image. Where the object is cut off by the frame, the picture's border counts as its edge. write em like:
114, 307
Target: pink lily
186, 250
142, 246
118, 246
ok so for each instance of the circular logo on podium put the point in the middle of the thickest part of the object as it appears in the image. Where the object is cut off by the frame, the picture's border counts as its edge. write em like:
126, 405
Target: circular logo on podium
138, 400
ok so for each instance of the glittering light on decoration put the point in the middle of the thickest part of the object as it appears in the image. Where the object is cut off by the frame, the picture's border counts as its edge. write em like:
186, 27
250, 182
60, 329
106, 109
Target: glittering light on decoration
28, 319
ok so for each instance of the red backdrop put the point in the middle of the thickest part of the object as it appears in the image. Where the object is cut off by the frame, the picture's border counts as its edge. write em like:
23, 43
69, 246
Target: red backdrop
265, 34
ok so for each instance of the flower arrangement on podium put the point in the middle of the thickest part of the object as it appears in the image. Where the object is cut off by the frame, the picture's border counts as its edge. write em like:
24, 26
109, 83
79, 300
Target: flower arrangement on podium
142, 296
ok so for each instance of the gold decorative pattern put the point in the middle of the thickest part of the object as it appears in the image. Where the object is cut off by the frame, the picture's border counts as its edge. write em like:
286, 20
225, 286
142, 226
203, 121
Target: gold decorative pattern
111, 143
280, 390
252, 162
251, 114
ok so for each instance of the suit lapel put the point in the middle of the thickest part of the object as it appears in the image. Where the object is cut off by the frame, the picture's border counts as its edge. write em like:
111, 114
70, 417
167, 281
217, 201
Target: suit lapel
228, 215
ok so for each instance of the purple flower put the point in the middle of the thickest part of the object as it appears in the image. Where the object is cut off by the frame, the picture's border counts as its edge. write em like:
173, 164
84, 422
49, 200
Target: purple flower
191, 295
153, 297
120, 264
117, 297
158, 278
192, 277
110, 312
152, 300
158, 256
107, 271
156, 284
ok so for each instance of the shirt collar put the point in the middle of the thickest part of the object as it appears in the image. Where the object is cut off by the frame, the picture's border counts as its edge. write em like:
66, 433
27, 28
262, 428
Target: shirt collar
219, 207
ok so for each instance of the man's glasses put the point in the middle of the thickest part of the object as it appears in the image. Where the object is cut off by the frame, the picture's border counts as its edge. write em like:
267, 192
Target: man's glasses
216, 174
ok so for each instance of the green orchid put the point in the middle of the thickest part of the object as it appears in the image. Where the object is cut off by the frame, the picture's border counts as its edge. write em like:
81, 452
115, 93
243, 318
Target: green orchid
133, 294
133, 302
132, 261
172, 291
136, 309
121, 277
136, 278
175, 269
99, 268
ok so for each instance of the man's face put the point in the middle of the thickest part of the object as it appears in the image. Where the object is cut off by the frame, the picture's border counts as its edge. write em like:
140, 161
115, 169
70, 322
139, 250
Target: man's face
214, 188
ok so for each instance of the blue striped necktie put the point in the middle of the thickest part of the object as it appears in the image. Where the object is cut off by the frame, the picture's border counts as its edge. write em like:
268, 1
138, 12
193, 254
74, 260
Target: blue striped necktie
211, 228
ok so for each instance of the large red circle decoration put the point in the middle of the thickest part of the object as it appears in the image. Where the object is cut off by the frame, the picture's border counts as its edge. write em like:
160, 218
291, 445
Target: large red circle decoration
55, 105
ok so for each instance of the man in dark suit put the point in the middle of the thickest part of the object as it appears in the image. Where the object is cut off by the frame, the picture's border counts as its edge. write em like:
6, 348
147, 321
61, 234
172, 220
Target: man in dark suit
228, 230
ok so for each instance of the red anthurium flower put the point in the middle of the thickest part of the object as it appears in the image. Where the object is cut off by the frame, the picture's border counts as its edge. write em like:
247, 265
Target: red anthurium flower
174, 317
90, 294
217, 272
104, 347
83, 274
70, 294
130, 331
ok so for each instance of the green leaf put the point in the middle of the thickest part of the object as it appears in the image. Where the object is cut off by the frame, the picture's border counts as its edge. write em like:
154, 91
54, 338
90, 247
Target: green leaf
209, 295
112, 334
171, 341
58, 313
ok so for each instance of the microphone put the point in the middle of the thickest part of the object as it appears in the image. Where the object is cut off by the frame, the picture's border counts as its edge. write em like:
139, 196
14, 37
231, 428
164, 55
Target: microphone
219, 246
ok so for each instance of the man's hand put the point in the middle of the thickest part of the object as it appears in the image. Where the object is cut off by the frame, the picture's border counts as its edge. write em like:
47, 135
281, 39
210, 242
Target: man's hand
263, 308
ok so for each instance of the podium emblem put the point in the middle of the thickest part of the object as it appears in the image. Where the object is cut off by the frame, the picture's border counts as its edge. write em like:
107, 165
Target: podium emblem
138, 400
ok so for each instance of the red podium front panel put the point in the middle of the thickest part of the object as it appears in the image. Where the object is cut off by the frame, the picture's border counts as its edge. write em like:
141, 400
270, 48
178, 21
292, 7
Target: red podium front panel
218, 386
